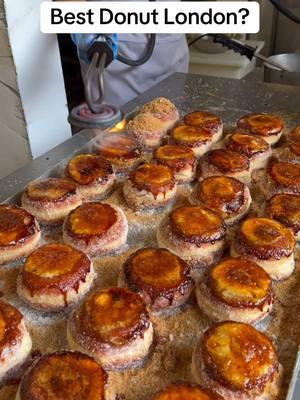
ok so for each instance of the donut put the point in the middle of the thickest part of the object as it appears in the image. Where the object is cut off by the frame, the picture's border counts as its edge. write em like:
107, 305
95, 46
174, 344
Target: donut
208, 120
15, 341
186, 391
150, 186
268, 126
65, 375
93, 175
50, 200
113, 326
19, 233
96, 228
253, 147
268, 243
225, 195
123, 151
164, 110
160, 277
180, 159
226, 162
147, 130
236, 289
194, 233
55, 276
238, 362
285, 208
197, 138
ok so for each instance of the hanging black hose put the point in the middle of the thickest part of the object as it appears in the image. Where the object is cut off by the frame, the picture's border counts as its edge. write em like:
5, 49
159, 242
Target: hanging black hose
285, 11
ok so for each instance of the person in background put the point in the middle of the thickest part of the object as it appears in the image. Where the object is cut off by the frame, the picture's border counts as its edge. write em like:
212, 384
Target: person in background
123, 82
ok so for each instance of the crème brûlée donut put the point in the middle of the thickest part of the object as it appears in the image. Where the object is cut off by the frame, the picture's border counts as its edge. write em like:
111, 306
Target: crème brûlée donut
51, 200
225, 195
180, 159
123, 151
147, 130
238, 362
293, 135
113, 326
160, 277
150, 186
55, 276
197, 138
186, 391
93, 175
15, 341
268, 243
19, 233
65, 375
253, 147
285, 208
280, 177
194, 233
226, 162
208, 120
268, 126
164, 110
288, 153
236, 289
97, 229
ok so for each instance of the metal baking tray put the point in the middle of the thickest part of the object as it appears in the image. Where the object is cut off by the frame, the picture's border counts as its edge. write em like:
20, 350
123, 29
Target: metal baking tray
228, 98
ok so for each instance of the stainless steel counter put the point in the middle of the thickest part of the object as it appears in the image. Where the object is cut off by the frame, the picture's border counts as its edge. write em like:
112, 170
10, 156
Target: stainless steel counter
228, 98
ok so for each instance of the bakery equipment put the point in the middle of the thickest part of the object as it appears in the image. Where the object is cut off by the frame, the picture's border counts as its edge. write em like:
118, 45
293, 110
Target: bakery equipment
291, 63
99, 51
228, 98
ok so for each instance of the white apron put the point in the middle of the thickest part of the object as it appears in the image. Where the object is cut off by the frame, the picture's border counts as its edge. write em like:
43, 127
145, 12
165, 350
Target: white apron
123, 83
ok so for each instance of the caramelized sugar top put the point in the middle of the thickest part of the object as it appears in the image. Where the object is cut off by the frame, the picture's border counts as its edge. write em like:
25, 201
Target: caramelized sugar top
248, 145
262, 124
51, 189
92, 218
285, 208
239, 356
16, 224
88, 168
240, 282
228, 161
186, 391
118, 145
66, 375
205, 119
188, 134
285, 174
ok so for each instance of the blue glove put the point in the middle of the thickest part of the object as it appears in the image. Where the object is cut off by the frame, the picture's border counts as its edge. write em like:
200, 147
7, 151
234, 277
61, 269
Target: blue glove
84, 41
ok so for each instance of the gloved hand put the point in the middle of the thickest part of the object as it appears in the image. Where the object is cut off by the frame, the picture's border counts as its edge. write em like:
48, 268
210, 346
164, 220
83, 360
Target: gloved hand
84, 42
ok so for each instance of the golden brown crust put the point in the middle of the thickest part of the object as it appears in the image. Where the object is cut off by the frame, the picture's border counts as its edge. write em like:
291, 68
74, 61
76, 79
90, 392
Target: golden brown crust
294, 135
16, 225
161, 108
90, 220
175, 156
248, 145
186, 391
65, 375
261, 124
153, 178
240, 283
204, 119
119, 146
238, 356
197, 224
85, 169
157, 273
286, 176
50, 190
223, 194
110, 318
10, 333
55, 267
285, 208
265, 238
191, 136
227, 161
